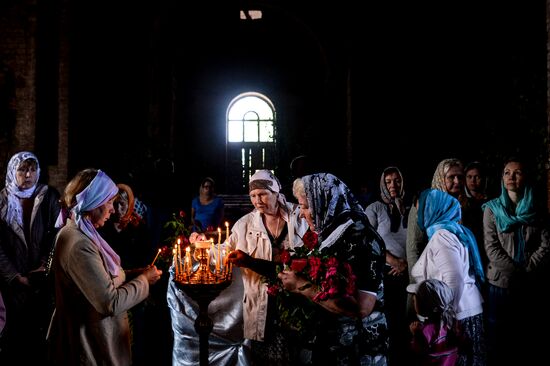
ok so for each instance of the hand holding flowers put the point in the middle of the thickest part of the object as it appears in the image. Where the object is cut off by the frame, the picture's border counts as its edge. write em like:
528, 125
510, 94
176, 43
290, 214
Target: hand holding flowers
318, 275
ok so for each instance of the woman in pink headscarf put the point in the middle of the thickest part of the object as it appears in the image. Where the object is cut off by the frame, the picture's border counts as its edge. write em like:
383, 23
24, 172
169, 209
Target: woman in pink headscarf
90, 325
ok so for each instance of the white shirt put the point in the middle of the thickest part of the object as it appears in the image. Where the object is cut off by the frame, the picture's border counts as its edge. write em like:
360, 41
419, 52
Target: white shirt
446, 259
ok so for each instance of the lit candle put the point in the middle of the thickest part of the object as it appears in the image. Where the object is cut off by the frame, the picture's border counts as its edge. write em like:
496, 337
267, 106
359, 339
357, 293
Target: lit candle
153, 262
219, 235
188, 259
174, 261
227, 231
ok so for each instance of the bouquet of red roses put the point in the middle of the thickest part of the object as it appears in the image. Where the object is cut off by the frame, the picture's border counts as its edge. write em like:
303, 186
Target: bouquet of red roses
332, 277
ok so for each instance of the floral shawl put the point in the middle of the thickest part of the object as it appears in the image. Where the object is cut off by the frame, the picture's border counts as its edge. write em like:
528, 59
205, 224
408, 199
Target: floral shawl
332, 204
439, 210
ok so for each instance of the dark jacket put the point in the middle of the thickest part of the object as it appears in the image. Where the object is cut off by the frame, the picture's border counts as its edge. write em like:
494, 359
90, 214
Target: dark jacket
17, 256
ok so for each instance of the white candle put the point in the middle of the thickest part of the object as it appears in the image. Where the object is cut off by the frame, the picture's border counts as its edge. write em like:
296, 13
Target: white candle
227, 231
219, 235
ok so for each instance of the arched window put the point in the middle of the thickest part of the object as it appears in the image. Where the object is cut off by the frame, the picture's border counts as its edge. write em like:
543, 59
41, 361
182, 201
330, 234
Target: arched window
251, 138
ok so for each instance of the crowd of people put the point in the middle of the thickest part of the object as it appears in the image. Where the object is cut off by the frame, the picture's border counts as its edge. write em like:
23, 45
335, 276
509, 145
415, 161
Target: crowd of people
449, 276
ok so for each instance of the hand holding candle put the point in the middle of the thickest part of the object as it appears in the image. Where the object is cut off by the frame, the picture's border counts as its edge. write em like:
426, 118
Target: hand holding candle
154, 260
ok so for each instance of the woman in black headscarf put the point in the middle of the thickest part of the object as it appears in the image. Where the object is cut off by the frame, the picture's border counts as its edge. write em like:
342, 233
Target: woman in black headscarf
353, 324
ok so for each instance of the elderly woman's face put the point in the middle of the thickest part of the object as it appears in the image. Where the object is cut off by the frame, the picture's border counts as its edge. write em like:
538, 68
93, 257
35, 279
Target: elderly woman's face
99, 215
393, 184
26, 175
264, 200
454, 180
305, 212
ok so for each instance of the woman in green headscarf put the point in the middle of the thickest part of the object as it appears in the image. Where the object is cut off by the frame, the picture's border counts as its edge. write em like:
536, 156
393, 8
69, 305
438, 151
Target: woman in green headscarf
517, 244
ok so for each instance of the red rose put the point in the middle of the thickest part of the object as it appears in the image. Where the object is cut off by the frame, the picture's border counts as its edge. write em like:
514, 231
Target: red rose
310, 239
285, 256
272, 290
298, 265
182, 214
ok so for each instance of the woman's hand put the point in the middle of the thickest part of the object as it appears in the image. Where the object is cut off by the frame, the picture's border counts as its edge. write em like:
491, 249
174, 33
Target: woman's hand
398, 265
239, 258
152, 274
293, 283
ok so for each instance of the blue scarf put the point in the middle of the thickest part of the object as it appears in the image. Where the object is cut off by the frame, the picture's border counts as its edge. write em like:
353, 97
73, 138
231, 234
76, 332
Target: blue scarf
509, 221
438, 210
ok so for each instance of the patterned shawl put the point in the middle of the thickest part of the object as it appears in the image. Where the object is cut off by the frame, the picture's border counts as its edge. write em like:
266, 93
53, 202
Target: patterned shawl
332, 204
439, 210
15, 211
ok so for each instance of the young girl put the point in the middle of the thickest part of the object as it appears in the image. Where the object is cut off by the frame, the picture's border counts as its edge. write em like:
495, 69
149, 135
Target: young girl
434, 336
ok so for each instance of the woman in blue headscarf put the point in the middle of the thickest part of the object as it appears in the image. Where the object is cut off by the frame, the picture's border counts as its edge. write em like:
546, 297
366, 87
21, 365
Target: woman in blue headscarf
28, 210
452, 256
90, 325
517, 243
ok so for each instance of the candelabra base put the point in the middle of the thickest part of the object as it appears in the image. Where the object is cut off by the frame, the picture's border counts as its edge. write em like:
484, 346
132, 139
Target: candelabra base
203, 294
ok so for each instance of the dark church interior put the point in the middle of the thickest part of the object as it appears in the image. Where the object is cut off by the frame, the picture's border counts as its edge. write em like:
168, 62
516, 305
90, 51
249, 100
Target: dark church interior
141, 89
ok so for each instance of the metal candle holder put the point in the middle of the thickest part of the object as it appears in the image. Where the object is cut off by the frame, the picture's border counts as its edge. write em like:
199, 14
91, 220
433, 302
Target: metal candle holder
202, 285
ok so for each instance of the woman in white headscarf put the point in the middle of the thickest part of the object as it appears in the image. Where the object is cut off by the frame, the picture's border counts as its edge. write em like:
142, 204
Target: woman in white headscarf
90, 325
28, 210
259, 238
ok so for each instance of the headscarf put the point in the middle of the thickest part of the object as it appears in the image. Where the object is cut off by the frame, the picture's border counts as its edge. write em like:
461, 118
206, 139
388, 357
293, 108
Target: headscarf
438, 180
396, 206
508, 219
129, 215
100, 190
15, 211
435, 297
439, 210
140, 209
264, 179
331, 204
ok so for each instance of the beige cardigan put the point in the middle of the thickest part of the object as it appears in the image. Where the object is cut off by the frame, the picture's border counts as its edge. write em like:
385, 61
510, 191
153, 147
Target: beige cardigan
90, 323
249, 235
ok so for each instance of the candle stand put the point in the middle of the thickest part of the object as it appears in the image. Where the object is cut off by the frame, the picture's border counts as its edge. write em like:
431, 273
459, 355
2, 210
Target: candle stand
203, 286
